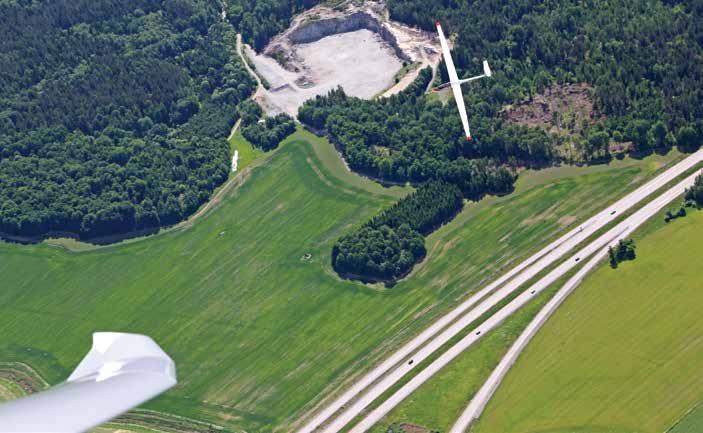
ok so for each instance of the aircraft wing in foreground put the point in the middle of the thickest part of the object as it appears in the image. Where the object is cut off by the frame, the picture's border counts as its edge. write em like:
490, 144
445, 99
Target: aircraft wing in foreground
456, 83
119, 372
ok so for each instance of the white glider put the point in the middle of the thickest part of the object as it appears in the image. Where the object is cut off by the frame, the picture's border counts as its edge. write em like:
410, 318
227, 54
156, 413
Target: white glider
456, 83
120, 372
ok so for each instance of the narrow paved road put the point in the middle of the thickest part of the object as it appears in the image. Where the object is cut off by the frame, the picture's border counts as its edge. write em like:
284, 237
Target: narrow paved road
618, 232
325, 420
479, 401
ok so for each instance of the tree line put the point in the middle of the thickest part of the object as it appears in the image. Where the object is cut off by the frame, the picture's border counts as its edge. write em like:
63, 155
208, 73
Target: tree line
114, 114
406, 137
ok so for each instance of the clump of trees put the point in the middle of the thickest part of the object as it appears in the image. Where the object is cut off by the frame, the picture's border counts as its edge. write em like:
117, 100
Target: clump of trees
390, 244
427, 208
378, 253
624, 250
114, 114
249, 112
269, 133
694, 195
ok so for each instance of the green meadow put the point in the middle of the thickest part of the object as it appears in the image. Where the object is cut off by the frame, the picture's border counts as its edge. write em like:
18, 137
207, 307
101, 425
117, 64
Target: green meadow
247, 152
623, 354
692, 422
259, 333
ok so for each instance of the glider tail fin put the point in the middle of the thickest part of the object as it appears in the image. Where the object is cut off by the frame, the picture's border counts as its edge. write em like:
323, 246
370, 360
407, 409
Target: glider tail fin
486, 69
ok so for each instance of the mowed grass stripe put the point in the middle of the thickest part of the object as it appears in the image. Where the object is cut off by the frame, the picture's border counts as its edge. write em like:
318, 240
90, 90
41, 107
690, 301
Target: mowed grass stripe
258, 334
623, 354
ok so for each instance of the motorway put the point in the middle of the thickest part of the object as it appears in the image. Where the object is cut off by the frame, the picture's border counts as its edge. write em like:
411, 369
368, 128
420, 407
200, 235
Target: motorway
380, 378
479, 401
618, 232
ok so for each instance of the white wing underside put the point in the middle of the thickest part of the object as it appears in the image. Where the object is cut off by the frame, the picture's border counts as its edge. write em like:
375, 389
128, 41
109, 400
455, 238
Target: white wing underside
120, 372
454, 81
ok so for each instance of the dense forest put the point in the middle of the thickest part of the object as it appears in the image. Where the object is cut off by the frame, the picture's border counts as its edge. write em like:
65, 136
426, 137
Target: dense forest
647, 94
260, 20
408, 137
113, 113
390, 244
644, 60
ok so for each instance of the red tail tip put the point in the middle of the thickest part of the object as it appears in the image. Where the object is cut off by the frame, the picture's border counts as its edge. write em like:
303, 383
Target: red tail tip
437, 24
468, 138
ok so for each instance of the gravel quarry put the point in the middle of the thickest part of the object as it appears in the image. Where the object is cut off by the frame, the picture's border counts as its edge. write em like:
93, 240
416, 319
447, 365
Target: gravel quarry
358, 49
360, 62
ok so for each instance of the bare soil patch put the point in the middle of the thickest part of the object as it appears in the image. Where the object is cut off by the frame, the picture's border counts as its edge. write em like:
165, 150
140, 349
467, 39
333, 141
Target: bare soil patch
564, 109
567, 220
414, 428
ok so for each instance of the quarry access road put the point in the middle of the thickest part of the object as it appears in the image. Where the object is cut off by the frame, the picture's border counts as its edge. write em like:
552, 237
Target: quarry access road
259, 84
381, 376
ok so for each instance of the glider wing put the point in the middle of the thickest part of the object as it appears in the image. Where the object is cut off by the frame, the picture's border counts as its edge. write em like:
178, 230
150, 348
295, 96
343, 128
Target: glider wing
454, 82
119, 372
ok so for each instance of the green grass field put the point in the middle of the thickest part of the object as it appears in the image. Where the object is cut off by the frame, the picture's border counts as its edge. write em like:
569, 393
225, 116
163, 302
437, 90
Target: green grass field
247, 152
258, 334
624, 353
692, 422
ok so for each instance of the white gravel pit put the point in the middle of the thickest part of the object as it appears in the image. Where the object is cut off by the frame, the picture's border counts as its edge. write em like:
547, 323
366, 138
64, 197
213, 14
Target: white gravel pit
360, 62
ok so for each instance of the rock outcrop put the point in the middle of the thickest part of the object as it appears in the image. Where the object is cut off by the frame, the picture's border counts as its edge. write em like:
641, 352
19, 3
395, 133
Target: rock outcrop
318, 29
